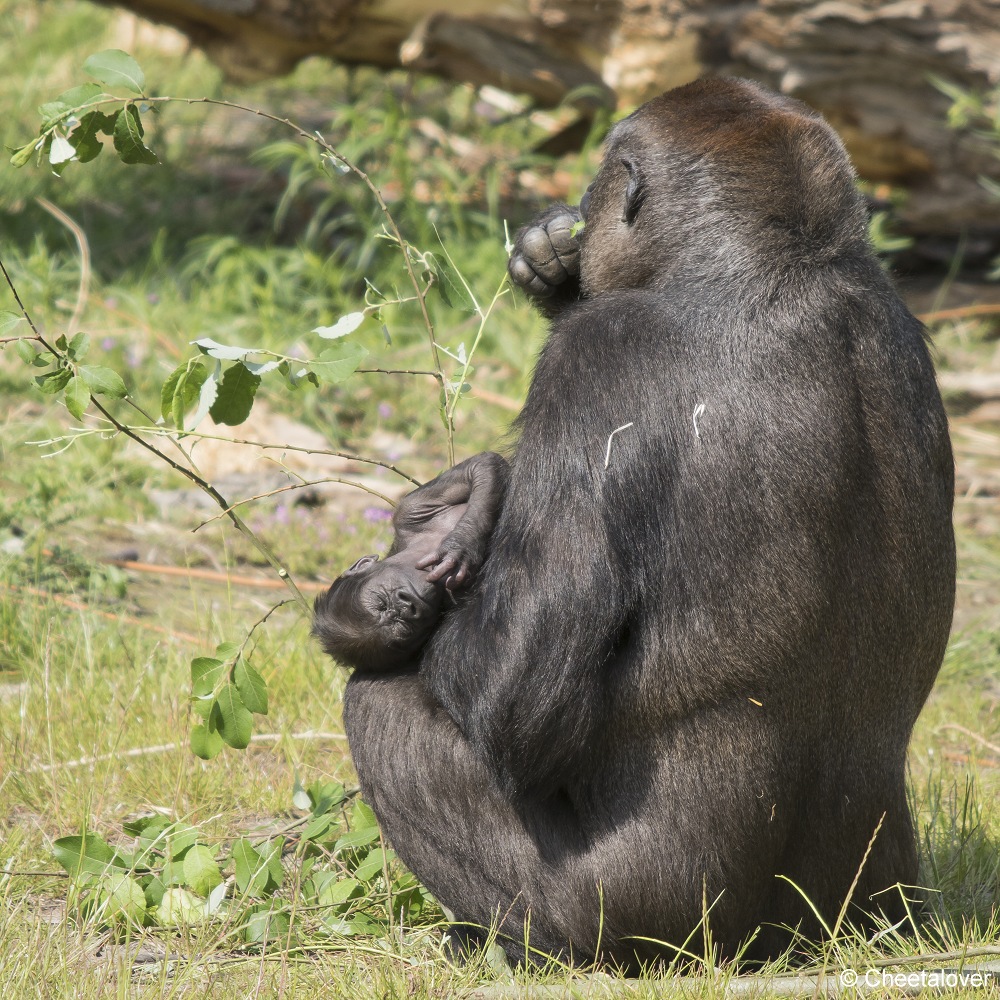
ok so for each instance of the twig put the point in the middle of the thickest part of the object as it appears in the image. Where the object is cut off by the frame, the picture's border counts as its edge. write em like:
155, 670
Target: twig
203, 484
972, 736
396, 371
264, 445
299, 486
960, 312
260, 621
83, 246
168, 747
404, 246
78, 606
211, 575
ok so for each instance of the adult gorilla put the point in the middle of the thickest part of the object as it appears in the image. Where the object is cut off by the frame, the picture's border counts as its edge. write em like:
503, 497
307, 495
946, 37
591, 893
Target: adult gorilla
721, 585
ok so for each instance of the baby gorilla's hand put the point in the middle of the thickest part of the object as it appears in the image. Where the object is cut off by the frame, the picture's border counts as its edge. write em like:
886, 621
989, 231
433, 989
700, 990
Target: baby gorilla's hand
546, 253
452, 563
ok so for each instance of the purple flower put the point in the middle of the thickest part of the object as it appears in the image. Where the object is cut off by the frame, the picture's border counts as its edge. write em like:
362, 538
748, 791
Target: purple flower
281, 513
374, 514
107, 343
384, 410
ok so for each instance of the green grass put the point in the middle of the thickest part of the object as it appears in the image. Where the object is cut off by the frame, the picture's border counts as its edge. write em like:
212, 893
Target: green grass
235, 237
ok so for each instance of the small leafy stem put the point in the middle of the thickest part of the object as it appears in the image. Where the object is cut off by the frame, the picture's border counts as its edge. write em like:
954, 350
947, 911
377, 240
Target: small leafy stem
67, 361
409, 253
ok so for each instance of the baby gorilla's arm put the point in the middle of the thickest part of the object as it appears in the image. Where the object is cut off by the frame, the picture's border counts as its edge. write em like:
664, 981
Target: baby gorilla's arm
480, 483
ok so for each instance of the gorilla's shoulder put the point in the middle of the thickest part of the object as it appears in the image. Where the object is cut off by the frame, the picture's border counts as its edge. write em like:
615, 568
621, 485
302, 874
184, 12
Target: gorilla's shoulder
604, 324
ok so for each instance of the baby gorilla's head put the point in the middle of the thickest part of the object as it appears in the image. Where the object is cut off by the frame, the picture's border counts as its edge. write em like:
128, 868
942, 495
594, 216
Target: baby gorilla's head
376, 615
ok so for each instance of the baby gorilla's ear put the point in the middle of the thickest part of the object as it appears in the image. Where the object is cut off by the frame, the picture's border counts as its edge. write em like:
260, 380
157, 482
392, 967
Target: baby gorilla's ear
363, 564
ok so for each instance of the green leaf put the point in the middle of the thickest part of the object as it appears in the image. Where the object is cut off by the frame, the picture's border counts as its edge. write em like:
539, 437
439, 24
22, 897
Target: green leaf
87, 854
77, 397
103, 381
318, 826
8, 321
25, 351
179, 838
53, 382
22, 156
78, 346
75, 97
225, 352
326, 796
206, 672
207, 397
300, 797
264, 924
446, 280
115, 68
181, 391
179, 908
85, 136
251, 686
205, 743
52, 113
236, 725
373, 864
345, 325
271, 854
128, 138
334, 366
251, 872
332, 891
236, 392
200, 870
356, 838
227, 650
363, 818
123, 898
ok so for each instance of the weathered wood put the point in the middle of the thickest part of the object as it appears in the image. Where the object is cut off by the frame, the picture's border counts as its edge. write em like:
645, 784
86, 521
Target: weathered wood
866, 64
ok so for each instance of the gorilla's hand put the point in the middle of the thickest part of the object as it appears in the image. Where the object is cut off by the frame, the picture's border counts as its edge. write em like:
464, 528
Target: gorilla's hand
545, 262
453, 562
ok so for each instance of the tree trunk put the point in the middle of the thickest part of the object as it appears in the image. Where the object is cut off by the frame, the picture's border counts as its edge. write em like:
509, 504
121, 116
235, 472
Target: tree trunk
866, 65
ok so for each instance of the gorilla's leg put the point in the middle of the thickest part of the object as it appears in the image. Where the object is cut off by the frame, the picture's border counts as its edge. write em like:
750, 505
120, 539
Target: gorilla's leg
442, 813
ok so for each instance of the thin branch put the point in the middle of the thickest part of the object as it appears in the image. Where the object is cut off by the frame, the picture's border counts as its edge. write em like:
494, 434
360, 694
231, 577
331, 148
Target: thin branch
972, 736
201, 483
961, 312
211, 575
168, 747
404, 246
260, 621
389, 371
167, 432
83, 246
299, 486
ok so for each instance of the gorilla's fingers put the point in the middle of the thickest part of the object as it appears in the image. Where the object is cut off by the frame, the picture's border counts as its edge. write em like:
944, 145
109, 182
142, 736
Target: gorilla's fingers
525, 277
564, 243
538, 249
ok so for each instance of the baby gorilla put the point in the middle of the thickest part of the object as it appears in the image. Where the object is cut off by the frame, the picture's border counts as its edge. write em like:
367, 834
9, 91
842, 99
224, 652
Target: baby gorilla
377, 615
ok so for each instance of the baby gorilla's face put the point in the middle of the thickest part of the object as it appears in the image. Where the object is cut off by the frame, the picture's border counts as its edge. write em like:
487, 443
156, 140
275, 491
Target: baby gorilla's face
396, 601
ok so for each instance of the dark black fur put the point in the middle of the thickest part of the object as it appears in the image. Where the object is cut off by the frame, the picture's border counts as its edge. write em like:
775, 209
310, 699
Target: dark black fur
694, 667
377, 615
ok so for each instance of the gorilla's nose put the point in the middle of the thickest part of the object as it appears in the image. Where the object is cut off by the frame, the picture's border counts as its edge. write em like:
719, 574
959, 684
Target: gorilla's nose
406, 603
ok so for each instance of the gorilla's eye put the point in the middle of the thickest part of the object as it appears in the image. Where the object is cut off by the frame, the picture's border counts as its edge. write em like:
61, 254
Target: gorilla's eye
635, 190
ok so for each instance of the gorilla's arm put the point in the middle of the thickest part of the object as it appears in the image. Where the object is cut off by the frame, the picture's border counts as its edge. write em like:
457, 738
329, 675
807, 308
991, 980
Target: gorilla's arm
480, 483
545, 261
521, 665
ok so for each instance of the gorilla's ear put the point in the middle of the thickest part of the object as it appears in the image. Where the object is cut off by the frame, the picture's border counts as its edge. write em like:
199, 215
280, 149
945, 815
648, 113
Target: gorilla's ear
635, 192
